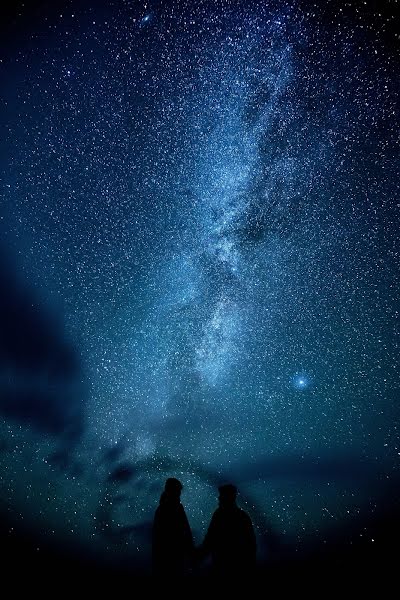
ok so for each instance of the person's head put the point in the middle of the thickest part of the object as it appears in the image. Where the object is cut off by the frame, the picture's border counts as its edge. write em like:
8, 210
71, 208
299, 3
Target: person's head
227, 494
173, 488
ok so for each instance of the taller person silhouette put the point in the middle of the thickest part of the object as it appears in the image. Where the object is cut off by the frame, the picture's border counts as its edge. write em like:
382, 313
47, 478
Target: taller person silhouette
230, 538
172, 540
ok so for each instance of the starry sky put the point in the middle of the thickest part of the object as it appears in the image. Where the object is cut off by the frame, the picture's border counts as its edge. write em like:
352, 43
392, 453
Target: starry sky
199, 268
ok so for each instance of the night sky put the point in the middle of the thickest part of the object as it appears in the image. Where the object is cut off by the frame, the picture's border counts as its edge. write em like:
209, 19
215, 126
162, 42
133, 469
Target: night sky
199, 270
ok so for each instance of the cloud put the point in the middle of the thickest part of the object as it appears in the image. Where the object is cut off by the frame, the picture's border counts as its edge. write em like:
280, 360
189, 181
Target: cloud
41, 380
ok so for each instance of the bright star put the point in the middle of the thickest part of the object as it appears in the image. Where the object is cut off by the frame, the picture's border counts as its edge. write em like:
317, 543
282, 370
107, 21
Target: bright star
146, 19
301, 381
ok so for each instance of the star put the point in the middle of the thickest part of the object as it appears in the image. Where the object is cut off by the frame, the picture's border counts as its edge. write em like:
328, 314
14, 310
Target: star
146, 19
301, 381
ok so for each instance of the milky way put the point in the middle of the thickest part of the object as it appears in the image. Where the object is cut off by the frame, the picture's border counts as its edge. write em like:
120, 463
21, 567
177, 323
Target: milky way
200, 268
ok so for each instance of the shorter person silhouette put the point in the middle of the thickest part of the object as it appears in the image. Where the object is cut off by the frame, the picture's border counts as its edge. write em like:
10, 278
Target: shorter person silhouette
230, 539
172, 541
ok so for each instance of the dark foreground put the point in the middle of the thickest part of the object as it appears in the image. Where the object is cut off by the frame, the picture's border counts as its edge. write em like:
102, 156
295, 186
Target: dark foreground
358, 563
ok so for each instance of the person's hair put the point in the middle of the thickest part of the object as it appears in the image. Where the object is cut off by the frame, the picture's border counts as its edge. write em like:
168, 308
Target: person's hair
228, 491
173, 485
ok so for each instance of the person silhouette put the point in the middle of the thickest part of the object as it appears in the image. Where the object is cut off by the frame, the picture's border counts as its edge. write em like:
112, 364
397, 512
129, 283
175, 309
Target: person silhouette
172, 540
230, 538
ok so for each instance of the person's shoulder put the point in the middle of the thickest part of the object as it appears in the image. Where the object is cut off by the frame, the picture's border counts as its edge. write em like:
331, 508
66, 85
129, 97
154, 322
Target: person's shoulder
218, 512
244, 515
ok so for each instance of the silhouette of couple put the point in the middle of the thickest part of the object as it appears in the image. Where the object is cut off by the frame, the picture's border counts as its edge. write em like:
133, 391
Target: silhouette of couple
230, 540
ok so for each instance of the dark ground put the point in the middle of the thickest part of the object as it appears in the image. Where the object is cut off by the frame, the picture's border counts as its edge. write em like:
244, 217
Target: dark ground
349, 561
